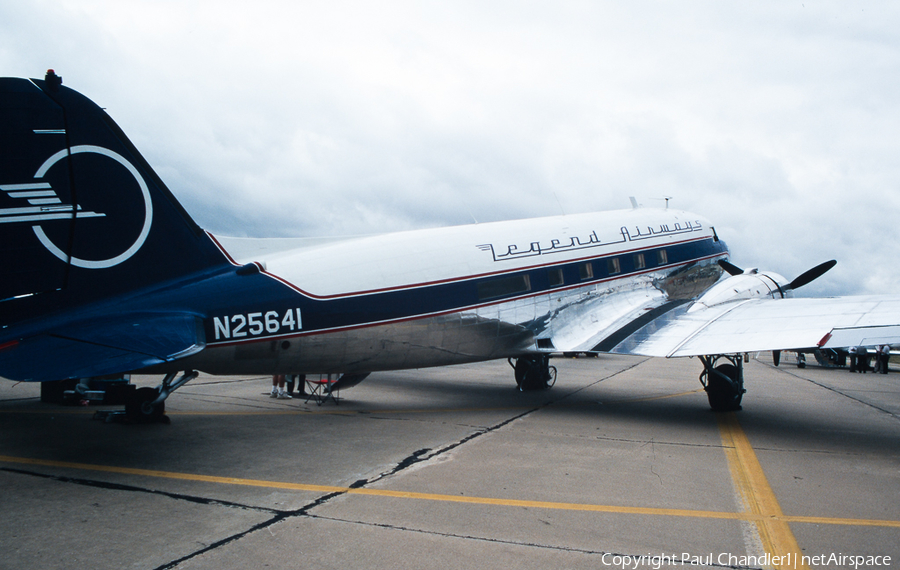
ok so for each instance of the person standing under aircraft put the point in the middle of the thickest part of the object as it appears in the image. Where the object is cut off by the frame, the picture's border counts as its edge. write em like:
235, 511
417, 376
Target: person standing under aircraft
883, 356
278, 390
296, 379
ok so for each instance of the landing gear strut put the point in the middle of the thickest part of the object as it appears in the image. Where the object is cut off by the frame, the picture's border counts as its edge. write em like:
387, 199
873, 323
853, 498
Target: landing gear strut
724, 383
533, 372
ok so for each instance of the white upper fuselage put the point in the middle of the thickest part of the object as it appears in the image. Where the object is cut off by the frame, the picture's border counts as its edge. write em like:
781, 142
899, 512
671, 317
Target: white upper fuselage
397, 260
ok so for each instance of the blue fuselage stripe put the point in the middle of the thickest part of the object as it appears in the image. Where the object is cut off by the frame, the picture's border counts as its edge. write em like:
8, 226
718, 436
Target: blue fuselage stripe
418, 301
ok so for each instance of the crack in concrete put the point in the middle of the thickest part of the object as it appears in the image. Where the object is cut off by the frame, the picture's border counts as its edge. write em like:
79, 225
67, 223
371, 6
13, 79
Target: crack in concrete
462, 536
277, 515
418, 456
134, 489
282, 515
227, 540
427, 454
556, 548
422, 455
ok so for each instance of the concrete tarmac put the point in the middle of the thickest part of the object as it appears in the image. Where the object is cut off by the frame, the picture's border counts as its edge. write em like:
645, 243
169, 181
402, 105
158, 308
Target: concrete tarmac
620, 465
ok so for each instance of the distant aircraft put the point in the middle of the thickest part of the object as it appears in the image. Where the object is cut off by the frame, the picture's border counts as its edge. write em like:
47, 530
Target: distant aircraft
104, 272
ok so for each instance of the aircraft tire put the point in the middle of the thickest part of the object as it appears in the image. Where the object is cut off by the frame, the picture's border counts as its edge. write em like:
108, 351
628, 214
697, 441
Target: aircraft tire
724, 394
139, 407
533, 373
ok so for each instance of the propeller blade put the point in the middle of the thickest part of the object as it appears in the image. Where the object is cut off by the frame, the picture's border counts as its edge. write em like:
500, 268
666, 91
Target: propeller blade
730, 267
812, 274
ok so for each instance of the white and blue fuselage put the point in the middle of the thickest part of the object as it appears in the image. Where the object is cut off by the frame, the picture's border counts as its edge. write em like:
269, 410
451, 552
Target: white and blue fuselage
452, 295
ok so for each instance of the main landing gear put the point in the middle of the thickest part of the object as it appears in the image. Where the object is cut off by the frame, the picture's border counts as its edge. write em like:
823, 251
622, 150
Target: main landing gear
148, 405
724, 383
533, 372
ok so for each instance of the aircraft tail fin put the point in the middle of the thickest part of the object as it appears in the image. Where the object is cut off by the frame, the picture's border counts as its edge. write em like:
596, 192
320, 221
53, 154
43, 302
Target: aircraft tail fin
83, 217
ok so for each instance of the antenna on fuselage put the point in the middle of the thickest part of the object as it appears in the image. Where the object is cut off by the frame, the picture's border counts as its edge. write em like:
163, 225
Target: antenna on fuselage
634, 203
666, 198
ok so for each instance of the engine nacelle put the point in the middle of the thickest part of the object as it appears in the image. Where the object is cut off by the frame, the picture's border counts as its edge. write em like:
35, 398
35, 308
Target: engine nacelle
751, 284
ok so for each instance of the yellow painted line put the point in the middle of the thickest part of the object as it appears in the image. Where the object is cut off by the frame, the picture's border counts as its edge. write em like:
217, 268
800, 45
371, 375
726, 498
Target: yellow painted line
757, 495
170, 475
840, 521
616, 509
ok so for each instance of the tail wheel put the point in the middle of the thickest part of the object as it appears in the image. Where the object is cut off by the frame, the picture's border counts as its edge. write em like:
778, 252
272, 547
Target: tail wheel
140, 407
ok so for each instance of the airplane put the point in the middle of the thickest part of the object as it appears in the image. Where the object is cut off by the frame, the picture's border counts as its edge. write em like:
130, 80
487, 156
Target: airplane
104, 272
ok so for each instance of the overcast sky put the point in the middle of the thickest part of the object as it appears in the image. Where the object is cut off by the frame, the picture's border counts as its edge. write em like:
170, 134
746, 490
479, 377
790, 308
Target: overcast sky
779, 121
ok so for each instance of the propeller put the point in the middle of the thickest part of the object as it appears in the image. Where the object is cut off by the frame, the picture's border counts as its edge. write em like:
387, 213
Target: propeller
812, 274
730, 268
801, 280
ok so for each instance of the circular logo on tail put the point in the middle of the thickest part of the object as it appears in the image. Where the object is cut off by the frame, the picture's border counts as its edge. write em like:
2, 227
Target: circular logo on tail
148, 210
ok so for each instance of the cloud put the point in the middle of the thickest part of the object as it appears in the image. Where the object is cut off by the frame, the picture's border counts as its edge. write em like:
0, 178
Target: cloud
775, 120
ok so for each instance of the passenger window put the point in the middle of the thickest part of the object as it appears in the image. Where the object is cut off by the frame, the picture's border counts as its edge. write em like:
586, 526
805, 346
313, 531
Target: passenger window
586, 271
639, 262
555, 276
662, 257
613, 266
504, 286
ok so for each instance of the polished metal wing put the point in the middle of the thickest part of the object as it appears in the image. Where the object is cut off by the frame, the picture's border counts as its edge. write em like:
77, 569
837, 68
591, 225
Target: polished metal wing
757, 324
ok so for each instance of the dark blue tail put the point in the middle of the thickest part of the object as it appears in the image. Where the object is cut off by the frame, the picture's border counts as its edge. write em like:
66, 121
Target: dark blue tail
83, 217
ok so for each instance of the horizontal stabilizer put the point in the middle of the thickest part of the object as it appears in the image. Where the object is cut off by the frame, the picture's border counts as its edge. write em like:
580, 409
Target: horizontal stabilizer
96, 348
